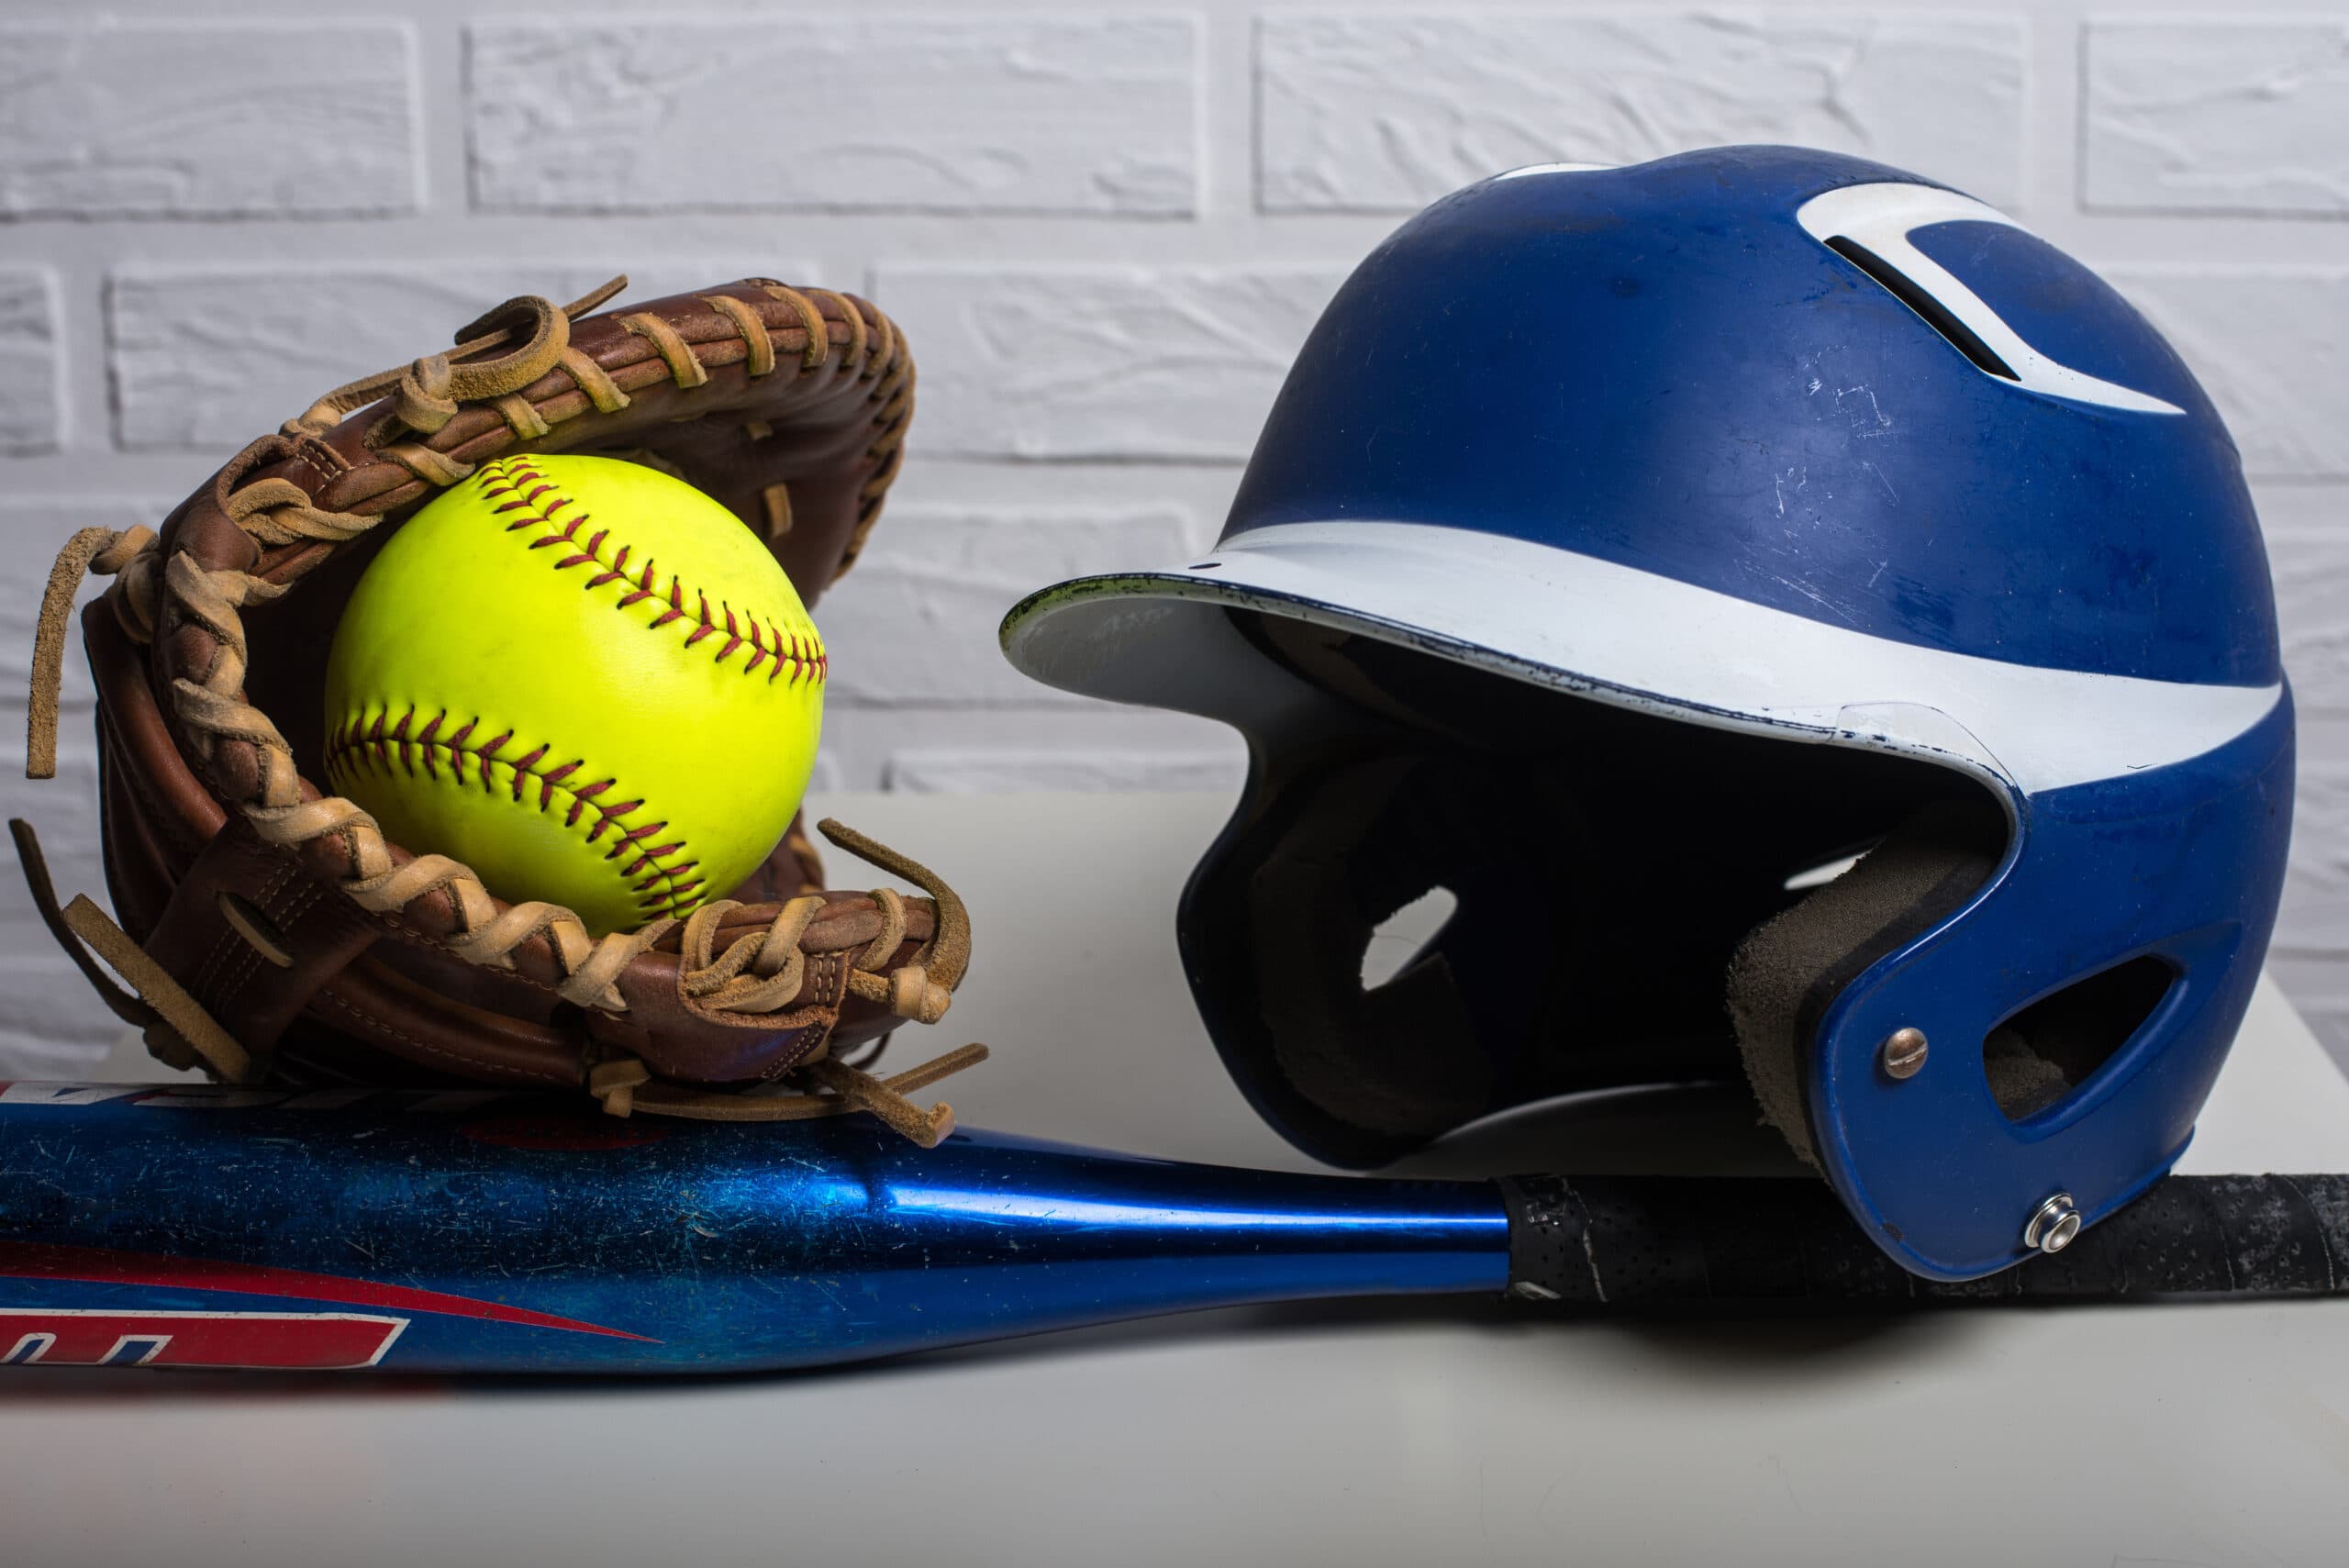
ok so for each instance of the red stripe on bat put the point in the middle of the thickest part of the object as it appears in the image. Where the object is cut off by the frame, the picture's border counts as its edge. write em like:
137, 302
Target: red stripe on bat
103, 1265
295, 1341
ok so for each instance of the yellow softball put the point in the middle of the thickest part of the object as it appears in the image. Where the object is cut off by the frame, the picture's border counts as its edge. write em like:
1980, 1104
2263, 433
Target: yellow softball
585, 680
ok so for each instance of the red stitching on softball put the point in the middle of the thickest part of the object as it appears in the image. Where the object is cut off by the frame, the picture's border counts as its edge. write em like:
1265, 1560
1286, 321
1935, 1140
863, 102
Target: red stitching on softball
517, 477
371, 746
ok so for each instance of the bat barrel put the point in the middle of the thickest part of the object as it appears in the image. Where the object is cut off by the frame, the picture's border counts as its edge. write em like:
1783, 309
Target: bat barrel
513, 1233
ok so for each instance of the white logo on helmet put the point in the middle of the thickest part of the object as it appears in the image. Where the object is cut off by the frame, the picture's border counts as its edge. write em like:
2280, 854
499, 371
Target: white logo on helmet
1880, 217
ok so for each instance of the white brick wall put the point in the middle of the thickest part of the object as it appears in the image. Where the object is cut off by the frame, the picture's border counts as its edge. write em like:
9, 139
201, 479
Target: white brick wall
1164, 362
2239, 116
934, 584
1388, 112
205, 224
2270, 343
206, 358
31, 418
1074, 114
207, 119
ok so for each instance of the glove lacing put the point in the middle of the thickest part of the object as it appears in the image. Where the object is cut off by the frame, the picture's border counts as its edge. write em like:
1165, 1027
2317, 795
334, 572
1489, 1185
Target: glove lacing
757, 973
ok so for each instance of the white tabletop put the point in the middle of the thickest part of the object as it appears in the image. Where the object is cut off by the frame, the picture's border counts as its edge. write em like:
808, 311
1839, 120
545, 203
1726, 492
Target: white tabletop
1362, 1434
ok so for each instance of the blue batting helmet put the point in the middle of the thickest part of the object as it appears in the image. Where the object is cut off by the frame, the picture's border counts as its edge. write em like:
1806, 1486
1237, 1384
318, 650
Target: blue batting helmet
1627, 551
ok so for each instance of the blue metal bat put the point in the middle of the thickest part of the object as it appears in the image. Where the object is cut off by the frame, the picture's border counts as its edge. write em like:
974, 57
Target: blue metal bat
512, 1233
475, 1232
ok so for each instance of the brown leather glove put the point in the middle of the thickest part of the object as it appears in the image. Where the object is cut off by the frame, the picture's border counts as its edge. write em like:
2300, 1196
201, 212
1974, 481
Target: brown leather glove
271, 932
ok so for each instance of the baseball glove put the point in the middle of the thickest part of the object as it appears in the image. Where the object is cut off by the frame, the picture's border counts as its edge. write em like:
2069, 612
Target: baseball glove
270, 933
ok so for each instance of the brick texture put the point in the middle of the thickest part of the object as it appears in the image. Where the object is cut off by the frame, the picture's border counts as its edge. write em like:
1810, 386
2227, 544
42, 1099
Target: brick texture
144, 120
1386, 113
2271, 346
31, 415
1101, 363
2308, 552
208, 360
32, 531
2315, 917
2238, 116
1106, 228
50, 1021
1033, 114
916, 623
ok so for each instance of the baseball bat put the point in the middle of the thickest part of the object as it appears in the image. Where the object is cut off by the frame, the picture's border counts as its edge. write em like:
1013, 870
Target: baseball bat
488, 1232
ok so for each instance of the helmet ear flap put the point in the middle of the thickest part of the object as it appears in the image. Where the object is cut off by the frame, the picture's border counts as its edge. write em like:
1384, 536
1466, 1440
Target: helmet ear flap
1790, 968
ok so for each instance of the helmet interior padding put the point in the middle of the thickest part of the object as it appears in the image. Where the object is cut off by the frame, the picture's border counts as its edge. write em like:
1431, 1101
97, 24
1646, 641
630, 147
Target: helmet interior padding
1607, 866
1791, 969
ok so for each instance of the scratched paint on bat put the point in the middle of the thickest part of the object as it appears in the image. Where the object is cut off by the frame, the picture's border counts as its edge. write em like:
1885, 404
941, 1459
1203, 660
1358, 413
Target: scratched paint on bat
520, 1232
109, 1266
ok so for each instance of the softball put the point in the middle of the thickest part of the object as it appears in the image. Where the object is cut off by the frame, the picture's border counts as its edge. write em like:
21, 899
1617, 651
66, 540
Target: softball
585, 680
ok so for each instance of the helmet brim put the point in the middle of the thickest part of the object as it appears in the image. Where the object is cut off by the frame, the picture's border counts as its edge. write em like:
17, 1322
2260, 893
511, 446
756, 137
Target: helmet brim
1619, 634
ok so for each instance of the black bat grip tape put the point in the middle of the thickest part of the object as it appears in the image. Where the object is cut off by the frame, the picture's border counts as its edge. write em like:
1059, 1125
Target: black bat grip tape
1599, 1241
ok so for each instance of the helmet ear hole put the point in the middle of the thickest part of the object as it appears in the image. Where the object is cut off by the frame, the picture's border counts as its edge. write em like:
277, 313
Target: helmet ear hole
2040, 1057
1396, 942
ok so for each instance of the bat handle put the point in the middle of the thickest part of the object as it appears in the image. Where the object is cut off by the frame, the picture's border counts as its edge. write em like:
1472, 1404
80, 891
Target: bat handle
1597, 1242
